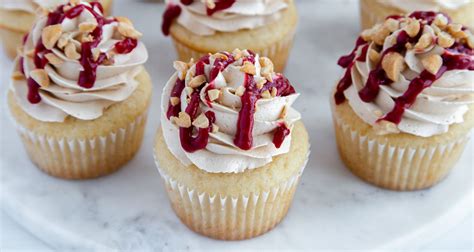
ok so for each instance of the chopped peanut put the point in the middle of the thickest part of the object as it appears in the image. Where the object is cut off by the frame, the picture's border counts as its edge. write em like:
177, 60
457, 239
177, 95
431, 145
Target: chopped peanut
201, 122
50, 35
197, 81
40, 76
248, 68
174, 101
213, 94
53, 59
393, 64
432, 63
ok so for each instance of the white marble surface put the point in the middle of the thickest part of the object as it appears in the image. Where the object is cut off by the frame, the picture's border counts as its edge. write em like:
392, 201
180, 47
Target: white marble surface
332, 208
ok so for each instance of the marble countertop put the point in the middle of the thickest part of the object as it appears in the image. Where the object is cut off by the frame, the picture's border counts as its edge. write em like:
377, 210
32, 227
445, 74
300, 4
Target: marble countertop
132, 203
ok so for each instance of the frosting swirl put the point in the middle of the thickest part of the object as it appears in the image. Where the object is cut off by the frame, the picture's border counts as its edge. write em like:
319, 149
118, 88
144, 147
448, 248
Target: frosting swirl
425, 5
412, 74
228, 112
202, 19
75, 62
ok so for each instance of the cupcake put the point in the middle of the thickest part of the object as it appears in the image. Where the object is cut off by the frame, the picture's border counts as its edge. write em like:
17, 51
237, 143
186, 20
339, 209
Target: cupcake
17, 18
375, 11
231, 148
79, 93
403, 109
200, 27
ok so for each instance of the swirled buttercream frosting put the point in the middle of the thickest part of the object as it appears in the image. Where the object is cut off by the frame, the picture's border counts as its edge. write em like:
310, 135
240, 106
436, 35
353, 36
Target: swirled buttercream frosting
228, 112
208, 17
76, 62
411, 74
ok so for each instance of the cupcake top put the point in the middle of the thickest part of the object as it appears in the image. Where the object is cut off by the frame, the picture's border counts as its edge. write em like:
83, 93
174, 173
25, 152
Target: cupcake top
412, 74
76, 62
228, 112
206, 17
426, 5
30, 5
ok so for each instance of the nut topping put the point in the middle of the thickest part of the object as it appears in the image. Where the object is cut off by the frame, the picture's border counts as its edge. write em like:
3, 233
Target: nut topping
393, 64
53, 59
40, 76
248, 68
50, 35
413, 27
424, 42
87, 27
201, 122
181, 68
385, 127
183, 120
240, 91
197, 81
266, 94
213, 94
374, 56
174, 101
432, 63
70, 51
445, 40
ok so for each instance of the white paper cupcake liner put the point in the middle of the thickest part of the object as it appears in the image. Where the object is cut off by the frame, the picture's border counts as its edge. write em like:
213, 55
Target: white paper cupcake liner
227, 217
84, 158
396, 167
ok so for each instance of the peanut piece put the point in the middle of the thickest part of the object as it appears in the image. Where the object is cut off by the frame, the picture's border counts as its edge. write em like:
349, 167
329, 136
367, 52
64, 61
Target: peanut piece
393, 64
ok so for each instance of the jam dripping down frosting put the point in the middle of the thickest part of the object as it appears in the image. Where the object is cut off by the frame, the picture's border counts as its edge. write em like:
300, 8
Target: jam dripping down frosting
457, 57
173, 11
87, 76
197, 139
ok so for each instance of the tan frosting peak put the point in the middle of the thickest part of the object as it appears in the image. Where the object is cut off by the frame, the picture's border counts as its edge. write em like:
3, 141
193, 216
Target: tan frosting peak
61, 46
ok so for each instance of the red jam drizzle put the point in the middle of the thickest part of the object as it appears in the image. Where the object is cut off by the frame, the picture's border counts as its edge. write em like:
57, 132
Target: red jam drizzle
33, 91
173, 11
87, 77
281, 132
173, 110
220, 5
454, 58
346, 62
126, 46
244, 135
197, 139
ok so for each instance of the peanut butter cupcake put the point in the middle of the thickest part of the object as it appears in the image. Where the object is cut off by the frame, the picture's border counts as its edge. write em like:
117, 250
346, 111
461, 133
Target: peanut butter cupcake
375, 11
404, 108
17, 18
79, 93
231, 148
200, 27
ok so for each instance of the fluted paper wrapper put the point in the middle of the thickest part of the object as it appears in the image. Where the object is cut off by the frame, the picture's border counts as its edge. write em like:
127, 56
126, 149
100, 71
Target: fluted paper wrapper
72, 158
390, 166
227, 217
277, 52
